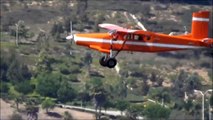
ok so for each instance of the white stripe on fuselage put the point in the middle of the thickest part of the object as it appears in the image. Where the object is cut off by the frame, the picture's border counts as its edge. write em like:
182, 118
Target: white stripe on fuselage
200, 19
149, 44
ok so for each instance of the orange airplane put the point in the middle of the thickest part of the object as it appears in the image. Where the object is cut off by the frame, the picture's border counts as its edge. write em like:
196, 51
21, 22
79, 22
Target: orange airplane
122, 39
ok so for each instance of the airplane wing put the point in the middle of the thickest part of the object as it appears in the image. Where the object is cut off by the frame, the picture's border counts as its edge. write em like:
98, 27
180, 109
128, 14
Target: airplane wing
116, 27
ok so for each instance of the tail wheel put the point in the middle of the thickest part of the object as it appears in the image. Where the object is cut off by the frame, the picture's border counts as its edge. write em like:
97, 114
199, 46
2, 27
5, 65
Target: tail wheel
111, 63
103, 62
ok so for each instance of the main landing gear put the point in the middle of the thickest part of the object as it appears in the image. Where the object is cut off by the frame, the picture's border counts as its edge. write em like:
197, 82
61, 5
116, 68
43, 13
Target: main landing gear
108, 61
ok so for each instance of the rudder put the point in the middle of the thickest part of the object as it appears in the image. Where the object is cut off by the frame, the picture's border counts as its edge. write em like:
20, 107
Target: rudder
200, 24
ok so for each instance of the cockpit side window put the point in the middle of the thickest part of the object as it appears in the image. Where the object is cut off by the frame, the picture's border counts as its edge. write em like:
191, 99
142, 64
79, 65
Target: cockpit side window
136, 37
128, 37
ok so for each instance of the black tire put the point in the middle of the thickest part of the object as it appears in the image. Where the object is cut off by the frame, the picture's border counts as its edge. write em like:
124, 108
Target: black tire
102, 61
111, 63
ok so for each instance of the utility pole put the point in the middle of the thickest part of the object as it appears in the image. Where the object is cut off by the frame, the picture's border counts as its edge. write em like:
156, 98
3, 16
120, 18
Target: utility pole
210, 114
203, 95
17, 31
17, 25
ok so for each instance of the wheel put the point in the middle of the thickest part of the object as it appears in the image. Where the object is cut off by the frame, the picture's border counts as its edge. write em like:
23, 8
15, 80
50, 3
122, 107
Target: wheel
111, 63
102, 61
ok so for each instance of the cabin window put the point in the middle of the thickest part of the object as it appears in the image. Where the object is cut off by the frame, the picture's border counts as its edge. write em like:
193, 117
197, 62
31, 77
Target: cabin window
133, 37
137, 37
128, 37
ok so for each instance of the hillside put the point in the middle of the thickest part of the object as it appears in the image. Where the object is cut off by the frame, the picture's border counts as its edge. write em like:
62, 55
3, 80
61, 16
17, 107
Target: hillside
70, 74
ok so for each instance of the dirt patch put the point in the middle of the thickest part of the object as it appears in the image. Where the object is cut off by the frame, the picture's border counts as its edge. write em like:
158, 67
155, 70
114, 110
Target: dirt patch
56, 113
6, 110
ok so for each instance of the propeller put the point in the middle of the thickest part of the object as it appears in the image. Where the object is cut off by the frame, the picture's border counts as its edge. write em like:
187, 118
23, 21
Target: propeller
71, 36
138, 22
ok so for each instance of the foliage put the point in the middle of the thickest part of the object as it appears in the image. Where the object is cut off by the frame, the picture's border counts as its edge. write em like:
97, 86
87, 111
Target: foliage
16, 116
121, 105
108, 104
57, 28
66, 93
186, 83
99, 97
188, 105
44, 62
93, 83
160, 93
12, 67
47, 104
87, 59
135, 110
18, 98
67, 116
48, 84
154, 111
24, 87
4, 88
64, 69
31, 106
84, 96
23, 30
32, 111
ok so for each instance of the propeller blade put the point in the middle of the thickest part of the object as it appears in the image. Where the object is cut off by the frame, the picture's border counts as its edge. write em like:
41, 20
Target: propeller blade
71, 36
138, 22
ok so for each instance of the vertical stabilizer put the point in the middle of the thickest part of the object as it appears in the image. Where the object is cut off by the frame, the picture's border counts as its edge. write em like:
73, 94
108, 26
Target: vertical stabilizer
200, 22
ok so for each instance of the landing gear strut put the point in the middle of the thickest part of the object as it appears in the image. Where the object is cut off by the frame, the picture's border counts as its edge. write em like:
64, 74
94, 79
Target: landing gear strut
109, 59
108, 62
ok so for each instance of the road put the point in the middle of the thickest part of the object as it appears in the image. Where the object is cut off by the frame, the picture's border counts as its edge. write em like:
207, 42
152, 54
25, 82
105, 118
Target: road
107, 112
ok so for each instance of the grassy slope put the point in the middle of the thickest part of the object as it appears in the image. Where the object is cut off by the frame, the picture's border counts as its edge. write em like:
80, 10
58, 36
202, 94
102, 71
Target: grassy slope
108, 9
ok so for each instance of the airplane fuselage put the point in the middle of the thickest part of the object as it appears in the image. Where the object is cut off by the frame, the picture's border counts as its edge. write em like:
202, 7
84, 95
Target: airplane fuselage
140, 41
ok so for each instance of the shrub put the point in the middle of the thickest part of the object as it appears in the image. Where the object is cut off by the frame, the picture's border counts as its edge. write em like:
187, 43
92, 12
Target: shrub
16, 116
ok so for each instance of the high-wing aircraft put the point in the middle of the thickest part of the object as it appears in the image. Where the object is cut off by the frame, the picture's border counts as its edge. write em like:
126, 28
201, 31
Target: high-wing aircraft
123, 39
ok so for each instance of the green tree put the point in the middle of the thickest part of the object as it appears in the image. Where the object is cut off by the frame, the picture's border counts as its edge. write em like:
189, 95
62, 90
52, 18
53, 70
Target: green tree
179, 83
32, 108
66, 93
193, 82
93, 83
44, 62
18, 98
47, 104
159, 93
4, 88
135, 110
122, 105
107, 104
18, 72
48, 84
24, 87
100, 97
23, 30
84, 96
4, 65
67, 116
32, 111
156, 111
188, 105
88, 60
57, 29
12, 68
